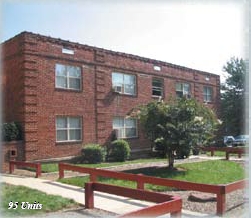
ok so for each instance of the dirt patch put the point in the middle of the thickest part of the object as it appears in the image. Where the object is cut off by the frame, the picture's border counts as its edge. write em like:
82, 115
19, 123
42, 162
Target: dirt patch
235, 201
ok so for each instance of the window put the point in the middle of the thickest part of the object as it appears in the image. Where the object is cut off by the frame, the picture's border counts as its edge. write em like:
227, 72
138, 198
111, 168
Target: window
126, 128
68, 77
157, 87
67, 51
183, 90
68, 129
208, 94
157, 68
125, 83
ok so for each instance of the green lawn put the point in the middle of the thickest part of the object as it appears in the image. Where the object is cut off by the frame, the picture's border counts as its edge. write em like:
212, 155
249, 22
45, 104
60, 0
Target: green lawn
208, 172
53, 167
50, 203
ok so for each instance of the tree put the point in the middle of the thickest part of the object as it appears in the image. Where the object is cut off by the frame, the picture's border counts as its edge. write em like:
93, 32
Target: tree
177, 125
232, 97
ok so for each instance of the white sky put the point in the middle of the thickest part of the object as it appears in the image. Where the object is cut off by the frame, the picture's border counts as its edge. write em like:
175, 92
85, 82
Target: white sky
186, 33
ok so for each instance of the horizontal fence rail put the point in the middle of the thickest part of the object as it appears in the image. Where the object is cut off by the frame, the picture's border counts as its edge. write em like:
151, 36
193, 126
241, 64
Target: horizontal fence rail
141, 180
37, 166
228, 150
236, 185
165, 203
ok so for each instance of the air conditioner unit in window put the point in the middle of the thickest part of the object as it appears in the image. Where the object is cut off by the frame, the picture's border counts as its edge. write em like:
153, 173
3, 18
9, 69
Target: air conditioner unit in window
117, 89
187, 96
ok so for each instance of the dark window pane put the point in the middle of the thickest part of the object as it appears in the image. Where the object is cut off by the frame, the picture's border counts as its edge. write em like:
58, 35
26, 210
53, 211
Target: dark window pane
61, 135
75, 134
74, 122
74, 83
61, 82
130, 132
61, 122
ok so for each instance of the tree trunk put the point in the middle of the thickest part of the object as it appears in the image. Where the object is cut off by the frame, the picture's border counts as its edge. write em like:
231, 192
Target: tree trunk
170, 160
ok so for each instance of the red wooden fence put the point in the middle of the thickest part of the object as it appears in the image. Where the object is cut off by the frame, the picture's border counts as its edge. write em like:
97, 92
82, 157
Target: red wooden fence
166, 203
228, 150
141, 180
37, 166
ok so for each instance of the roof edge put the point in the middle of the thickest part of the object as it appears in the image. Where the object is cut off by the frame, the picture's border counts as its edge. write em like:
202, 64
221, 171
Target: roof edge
94, 48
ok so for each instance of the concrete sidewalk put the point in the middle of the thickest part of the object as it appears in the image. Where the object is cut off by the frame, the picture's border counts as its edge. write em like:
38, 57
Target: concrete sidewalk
107, 202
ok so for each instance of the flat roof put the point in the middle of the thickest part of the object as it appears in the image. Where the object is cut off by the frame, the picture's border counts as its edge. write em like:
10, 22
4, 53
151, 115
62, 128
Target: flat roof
70, 44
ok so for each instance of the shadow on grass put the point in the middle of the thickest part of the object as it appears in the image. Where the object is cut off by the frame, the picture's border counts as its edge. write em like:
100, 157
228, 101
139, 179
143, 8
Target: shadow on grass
162, 172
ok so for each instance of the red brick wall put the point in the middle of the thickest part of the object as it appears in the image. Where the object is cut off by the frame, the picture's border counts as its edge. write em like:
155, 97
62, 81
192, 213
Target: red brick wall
13, 81
6, 148
95, 103
47, 102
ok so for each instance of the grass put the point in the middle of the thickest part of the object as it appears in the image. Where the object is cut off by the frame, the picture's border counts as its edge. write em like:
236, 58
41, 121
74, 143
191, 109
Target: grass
208, 172
53, 167
216, 172
21, 194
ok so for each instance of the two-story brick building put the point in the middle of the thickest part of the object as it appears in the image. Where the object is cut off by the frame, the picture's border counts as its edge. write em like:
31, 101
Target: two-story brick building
67, 94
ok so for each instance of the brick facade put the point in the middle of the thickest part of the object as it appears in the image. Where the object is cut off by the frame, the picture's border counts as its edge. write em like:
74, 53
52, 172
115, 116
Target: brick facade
30, 96
13, 150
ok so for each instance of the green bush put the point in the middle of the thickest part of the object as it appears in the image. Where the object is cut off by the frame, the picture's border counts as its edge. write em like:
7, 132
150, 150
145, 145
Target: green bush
93, 153
11, 131
119, 150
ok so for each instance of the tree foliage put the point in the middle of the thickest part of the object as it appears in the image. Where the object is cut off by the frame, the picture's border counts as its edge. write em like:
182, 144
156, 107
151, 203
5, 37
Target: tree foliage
179, 124
232, 97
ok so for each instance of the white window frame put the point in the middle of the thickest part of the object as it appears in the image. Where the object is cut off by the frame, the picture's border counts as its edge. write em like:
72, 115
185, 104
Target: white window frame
123, 83
68, 78
157, 88
123, 129
183, 89
67, 129
207, 95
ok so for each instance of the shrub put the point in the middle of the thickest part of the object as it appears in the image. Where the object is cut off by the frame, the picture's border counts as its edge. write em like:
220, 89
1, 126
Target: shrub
93, 153
11, 131
119, 150
20, 131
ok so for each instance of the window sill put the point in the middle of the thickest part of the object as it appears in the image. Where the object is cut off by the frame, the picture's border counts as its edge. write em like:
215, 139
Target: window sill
69, 143
125, 95
67, 90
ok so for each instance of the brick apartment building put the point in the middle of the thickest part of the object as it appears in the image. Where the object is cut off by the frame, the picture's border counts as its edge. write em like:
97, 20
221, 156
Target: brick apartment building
67, 94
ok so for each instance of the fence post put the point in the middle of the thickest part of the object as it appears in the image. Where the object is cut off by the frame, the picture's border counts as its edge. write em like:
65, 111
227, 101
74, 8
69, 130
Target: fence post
89, 196
93, 177
221, 201
60, 171
11, 167
140, 183
38, 170
227, 155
